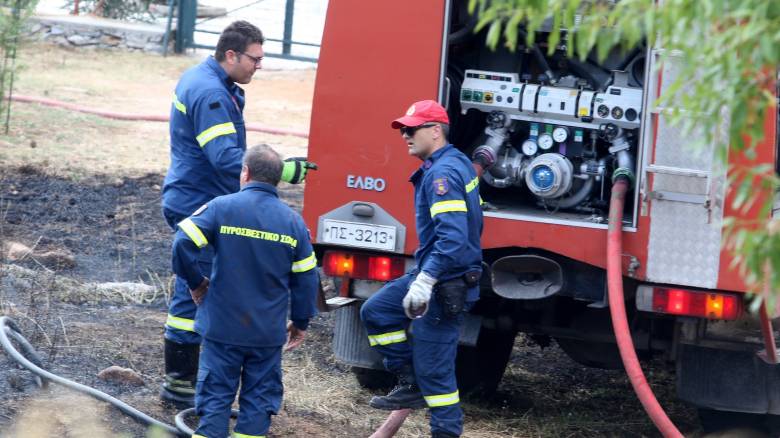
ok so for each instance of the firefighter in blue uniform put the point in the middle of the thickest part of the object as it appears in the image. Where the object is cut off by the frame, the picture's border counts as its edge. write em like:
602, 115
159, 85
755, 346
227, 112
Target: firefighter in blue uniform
264, 263
434, 296
208, 140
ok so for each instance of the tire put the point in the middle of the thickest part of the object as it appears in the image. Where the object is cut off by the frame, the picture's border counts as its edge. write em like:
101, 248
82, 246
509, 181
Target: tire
592, 354
370, 378
479, 369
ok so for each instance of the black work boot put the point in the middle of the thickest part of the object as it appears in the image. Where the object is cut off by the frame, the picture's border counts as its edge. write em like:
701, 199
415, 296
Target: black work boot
181, 370
405, 395
443, 435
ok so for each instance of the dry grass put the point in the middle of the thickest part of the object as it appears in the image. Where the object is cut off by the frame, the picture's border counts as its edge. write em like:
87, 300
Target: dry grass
51, 414
133, 83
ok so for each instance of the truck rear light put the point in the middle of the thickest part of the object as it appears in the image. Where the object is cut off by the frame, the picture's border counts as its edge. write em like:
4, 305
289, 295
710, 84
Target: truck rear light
363, 266
683, 302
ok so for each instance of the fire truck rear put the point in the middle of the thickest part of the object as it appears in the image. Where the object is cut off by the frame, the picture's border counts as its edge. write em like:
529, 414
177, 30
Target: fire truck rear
559, 130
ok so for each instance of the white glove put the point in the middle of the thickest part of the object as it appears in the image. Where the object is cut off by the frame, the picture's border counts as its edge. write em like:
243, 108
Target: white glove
416, 300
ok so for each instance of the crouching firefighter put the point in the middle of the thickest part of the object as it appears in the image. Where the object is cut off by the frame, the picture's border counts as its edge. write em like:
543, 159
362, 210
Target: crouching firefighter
430, 301
263, 264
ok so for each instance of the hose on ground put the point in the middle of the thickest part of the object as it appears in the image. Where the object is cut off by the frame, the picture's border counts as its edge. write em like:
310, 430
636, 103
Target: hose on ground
142, 117
8, 330
181, 422
617, 310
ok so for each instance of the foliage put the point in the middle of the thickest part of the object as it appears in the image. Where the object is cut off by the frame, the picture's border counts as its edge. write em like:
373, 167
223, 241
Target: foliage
731, 50
13, 15
135, 10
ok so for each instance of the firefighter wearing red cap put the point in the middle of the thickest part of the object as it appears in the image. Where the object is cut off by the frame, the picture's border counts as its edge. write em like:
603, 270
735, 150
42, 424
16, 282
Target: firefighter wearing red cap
433, 297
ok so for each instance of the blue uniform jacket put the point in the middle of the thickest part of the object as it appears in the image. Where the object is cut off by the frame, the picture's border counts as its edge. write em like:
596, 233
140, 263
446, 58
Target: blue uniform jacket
448, 215
263, 264
208, 138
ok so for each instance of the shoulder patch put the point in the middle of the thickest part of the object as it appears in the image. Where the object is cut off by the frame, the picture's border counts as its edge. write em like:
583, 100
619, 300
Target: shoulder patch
441, 186
214, 105
201, 209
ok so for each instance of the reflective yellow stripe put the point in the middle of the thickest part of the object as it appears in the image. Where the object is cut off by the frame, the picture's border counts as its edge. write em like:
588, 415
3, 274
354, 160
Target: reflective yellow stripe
198, 436
472, 185
214, 132
448, 206
193, 232
178, 105
387, 338
481, 202
304, 265
241, 435
180, 323
435, 401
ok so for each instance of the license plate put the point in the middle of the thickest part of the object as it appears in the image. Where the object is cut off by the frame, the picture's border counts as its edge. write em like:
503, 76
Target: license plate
359, 234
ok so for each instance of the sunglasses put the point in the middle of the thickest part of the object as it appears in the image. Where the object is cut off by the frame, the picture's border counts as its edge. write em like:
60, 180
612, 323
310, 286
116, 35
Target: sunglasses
411, 130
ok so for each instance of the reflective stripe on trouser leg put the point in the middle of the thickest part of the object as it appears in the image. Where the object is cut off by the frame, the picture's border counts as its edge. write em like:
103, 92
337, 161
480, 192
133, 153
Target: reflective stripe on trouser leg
387, 338
243, 435
218, 379
385, 322
261, 391
434, 350
180, 323
439, 400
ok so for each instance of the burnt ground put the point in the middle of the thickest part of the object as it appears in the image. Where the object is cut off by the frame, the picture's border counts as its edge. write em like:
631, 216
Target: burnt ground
112, 226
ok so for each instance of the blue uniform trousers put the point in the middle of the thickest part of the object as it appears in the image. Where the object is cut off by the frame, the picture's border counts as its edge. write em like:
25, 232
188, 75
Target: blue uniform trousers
179, 326
222, 368
431, 350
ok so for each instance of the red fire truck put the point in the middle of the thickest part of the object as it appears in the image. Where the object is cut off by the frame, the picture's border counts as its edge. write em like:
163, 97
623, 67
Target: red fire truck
559, 131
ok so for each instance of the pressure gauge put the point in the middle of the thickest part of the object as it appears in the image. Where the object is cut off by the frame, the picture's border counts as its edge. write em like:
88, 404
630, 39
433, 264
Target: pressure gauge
545, 141
560, 134
530, 147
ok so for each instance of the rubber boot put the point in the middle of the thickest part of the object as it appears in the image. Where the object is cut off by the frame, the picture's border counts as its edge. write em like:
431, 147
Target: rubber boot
405, 395
181, 371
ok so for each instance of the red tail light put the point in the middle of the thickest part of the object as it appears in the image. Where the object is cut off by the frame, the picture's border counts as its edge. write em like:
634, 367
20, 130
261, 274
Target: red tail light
362, 266
702, 304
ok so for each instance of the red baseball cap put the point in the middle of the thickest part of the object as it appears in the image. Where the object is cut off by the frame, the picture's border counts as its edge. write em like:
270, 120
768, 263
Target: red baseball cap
421, 112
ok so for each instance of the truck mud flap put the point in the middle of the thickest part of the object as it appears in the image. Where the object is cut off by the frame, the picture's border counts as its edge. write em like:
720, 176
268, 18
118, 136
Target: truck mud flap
728, 380
350, 340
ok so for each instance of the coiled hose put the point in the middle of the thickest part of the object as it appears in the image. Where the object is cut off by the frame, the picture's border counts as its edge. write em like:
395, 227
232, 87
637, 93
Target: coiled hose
32, 362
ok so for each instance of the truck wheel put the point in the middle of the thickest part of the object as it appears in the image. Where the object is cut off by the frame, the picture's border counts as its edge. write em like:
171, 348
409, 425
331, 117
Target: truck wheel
370, 378
479, 369
591, 354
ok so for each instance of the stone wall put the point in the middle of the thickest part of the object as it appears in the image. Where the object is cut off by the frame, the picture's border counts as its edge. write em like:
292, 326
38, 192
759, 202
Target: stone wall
88, 31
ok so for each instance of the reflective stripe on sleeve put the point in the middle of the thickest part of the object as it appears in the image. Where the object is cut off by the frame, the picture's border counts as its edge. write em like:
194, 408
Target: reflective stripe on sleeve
448, 206
243, 435
387, 338
198, 436
435, 401
193, 232
178, 105
472, 185
214, 132
185, 324
304, 265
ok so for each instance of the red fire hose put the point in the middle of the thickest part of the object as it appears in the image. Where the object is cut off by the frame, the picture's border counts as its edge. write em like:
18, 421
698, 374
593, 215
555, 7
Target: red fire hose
617, 310
143, 117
